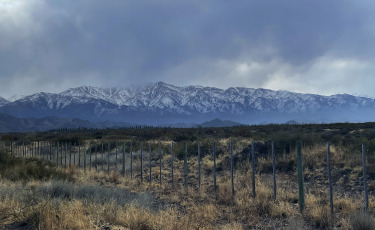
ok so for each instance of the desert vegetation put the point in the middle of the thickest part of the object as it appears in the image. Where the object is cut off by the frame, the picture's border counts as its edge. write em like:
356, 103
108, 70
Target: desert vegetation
42, 193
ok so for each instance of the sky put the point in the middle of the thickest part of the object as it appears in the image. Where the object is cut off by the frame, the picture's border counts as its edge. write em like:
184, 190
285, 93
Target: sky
312, 46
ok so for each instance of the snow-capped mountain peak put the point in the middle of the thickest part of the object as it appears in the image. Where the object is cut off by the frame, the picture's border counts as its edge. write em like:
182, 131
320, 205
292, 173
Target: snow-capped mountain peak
165, 103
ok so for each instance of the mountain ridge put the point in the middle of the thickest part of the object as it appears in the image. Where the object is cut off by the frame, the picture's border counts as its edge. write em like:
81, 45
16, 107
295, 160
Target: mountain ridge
162, 103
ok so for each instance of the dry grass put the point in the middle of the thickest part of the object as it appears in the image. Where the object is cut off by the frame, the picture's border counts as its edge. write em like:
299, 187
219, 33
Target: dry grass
155, 206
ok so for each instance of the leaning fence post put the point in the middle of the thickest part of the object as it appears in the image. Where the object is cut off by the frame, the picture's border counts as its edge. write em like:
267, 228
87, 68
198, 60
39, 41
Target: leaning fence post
199, 164
172, 161
123, 159
185, 166
274, 170
214, 156
253, 167
329, 178
300, 178
364, 176
231, 169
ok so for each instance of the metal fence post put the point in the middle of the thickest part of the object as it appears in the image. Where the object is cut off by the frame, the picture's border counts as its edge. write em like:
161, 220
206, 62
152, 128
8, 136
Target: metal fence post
253, 167
274, 170
300, 178
214, 156
329, 178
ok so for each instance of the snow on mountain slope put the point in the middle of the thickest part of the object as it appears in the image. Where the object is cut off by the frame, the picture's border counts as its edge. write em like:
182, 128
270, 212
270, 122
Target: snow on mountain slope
3, 101
164, 102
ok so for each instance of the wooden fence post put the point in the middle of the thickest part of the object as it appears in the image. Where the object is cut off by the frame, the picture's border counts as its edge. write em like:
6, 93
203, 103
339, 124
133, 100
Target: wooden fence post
90, 152
172, 161
329, 178
84, 156
199, 164
61, 154
74, 153
253, 167
116, 167
131, 159
102, 153
185, 166
66, 150
96, 156
123, 159
149, 158
70, 155
364, 176
79, 154
109, 152
274, 170
160, 163
141, 161
300, 178
57, 153
214, 156
231, 169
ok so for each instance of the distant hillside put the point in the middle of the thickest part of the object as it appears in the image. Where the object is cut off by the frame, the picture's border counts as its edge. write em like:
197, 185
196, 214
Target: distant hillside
13, 124
219, 123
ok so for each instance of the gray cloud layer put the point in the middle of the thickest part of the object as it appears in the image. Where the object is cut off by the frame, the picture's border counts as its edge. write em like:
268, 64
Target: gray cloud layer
307, 46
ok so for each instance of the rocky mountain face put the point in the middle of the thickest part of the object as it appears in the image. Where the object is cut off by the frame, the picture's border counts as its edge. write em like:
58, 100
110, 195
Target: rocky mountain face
160, 103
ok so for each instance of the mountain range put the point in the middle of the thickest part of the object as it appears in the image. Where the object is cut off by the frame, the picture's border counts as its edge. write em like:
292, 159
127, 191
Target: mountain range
161, 103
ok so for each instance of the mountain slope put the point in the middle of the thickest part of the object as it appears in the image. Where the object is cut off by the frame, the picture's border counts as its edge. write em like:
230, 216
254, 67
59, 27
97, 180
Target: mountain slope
161, 103
3, 101
13, 124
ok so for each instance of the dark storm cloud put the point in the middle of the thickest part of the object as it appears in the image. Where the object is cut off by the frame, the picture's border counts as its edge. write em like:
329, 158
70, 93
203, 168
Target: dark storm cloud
58, 44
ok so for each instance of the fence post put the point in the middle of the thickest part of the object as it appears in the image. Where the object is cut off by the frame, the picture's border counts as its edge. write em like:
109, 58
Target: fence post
274, 170
232, 169
116, 157
199, 164
149, 156
38, 150
214, 156
74, 153
50, 151
79, 154
102, 156
57, 153
253, 167
96, 156
90, 152
61, 154
141, 161
172, 161
185, 166
109, 152
123, 159
66, 150
300, 178
84, 156
131, 159
329, 178
159, 163
364, 176
70, 155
